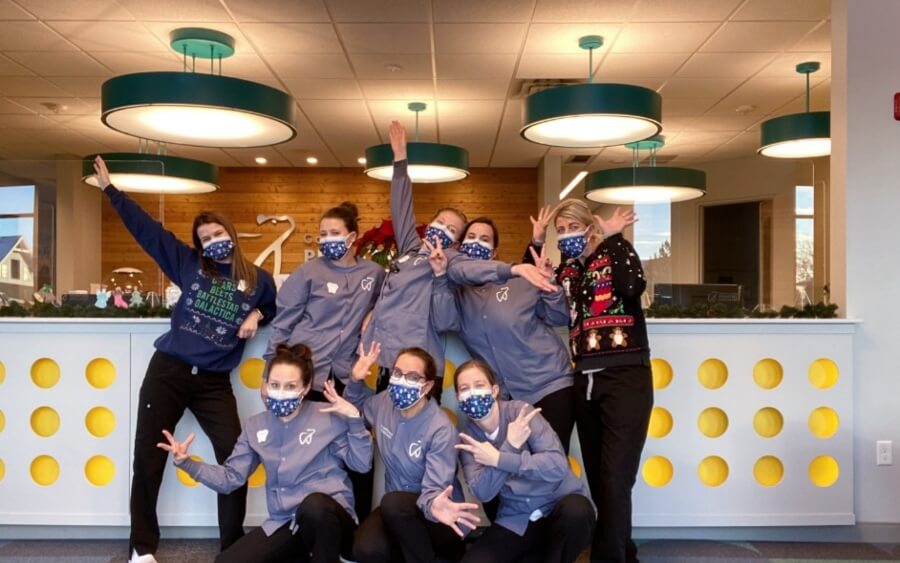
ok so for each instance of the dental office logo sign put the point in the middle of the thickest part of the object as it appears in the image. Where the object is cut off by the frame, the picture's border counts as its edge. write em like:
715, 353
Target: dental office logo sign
306, 437
415, 449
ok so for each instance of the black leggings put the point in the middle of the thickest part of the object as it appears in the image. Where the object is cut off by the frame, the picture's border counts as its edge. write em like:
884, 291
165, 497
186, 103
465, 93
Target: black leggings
169, 387
558, 538
558, 409
398, 531
324, 533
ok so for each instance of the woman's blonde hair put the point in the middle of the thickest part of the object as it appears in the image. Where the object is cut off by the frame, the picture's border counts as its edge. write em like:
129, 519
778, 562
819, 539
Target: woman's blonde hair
577, 210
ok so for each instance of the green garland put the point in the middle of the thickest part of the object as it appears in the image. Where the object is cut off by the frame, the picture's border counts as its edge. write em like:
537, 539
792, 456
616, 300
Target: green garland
46, 310
720, 311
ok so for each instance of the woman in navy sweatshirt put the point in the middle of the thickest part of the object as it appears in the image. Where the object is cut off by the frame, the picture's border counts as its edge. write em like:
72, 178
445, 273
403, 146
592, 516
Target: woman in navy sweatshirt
224, 299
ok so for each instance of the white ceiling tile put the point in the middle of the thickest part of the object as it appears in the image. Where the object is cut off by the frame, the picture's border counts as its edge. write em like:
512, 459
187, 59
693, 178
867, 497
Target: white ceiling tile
177, 10
514, 151
278, 10
8, 107
691, 11
385, 111
345, 125
679, 37
247, 157
397, 89
293, 38
80, 10
378, 10
375, 65
122, 63
81, 86
310, 66
478, 37
765, 94
685, 107
60, 63
773, 10
109, 36
700, 138
734, 122
8, 67
679, 87
30, 86
742, 37
484, 89
583, 10
323, 89
495, 11
725, 65
634, 65
11, 11
385, 37
819, 40
31, 36
218, 157
552, 66
462, 117
297, 156
26, 121
786, 66
563, 38
66, 107
475, 66
247, 65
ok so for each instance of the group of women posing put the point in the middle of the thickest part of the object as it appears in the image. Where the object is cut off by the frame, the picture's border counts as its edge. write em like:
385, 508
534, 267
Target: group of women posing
338, 317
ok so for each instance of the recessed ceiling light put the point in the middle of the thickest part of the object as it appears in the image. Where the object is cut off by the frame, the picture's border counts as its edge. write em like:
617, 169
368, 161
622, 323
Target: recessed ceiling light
261, 160
391, 67
361, 160
312, 160
744, 109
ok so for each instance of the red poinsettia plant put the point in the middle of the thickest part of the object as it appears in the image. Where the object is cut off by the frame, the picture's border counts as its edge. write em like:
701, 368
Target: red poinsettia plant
378, 243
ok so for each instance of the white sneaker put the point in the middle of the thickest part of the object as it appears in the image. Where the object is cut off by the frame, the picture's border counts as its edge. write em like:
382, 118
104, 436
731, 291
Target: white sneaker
135, 558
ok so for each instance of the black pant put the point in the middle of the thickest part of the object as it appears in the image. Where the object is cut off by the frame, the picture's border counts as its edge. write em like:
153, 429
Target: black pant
324, 533
612, 429
170, 387
558, 408
398, 531
558, 538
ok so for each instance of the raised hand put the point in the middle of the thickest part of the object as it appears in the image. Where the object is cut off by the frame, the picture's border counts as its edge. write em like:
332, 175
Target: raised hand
617, 223
339, 405
178, 451
102, 172
365, 361
397, 134
484, 452
519, 430
436, 259
454, 514
534, 275
542, 262
539, 225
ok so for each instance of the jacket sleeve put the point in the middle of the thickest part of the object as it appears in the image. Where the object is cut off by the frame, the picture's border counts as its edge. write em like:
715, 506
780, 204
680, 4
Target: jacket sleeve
553, 308
172, 255
267, 298
542, 460
462, 270
355, 446
229, 476
361, 396
444, 308
440, 468
291, 304
403, 216
484, 481
627, 272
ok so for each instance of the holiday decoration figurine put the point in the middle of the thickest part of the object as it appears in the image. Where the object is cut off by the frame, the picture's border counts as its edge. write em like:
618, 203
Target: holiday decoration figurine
102, 298
136, 298
119, 299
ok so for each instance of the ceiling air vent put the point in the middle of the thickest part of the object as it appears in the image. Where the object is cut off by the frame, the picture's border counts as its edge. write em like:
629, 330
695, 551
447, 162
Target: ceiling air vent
578, 158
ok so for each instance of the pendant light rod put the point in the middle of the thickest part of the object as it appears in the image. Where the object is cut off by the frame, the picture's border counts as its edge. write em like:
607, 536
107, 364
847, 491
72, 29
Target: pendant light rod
417, 107
807, 68
590, 42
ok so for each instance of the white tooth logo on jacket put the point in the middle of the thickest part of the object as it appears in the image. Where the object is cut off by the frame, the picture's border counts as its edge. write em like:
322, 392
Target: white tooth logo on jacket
418, 260
261, 436
503, 294
332, 287
415, 449
366, 283
306, 437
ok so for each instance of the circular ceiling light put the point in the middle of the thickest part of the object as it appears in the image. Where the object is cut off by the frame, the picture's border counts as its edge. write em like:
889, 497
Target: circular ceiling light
189, 108
797, 135
592, 115
429, 163
152, 173
648, 184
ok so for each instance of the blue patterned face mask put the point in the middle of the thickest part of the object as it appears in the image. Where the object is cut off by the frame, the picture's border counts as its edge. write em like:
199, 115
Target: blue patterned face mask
218, 249
573, 244
404, 395
477, 249
477, 404
435, 232
333, 248
283, 403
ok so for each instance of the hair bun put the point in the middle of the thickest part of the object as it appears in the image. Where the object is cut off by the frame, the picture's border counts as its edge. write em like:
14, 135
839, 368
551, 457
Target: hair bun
298, 351
351, 207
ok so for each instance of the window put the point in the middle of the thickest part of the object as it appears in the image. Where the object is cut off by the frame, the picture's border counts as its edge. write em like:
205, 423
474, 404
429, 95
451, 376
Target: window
653, 242
16, 269
804, 244
17, 241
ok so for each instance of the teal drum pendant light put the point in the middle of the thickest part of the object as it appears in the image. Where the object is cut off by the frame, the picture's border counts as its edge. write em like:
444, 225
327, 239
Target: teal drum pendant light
193, 108
798, 135
645, 184
154, 173
592, 115
429, 163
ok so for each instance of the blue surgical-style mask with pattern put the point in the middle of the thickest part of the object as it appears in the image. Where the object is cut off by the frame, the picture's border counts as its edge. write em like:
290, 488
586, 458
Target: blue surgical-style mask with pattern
403, 394
283, 403
218, 248
477, 403
334, 248
435, 232
477, 249
572, 244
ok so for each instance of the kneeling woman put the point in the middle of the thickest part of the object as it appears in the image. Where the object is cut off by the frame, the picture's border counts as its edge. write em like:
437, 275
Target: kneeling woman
304, 449
421, 514
511, 451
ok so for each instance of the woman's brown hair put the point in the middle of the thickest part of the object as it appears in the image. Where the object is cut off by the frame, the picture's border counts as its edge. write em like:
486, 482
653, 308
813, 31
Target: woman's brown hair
474, 364
346, 212
241, 268
298, 355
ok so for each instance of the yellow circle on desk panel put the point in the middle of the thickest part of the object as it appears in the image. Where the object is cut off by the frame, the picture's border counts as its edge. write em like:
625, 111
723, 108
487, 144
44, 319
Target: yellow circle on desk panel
712, 471
768, 373
45, 373
2, 421
251, 372
183, 476
258, 477
100, 373
452, 416
660, 423
99, 470
100, 422
449, 374
662, 373
824, 422
823, 373
768, 422
2, 470
44, 470
712, 422
575, 466
657, 471
2, 373
712, 373
824, 471
44, 421
372, 377
768, 471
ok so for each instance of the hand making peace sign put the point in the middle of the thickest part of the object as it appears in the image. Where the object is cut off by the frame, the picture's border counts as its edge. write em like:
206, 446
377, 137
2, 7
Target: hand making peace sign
519, 430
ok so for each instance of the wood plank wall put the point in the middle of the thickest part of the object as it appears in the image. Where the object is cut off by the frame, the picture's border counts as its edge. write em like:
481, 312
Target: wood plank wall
508, 195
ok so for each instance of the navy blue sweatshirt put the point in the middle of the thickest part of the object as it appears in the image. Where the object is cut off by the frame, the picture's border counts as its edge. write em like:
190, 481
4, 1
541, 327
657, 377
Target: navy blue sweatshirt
206, 319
